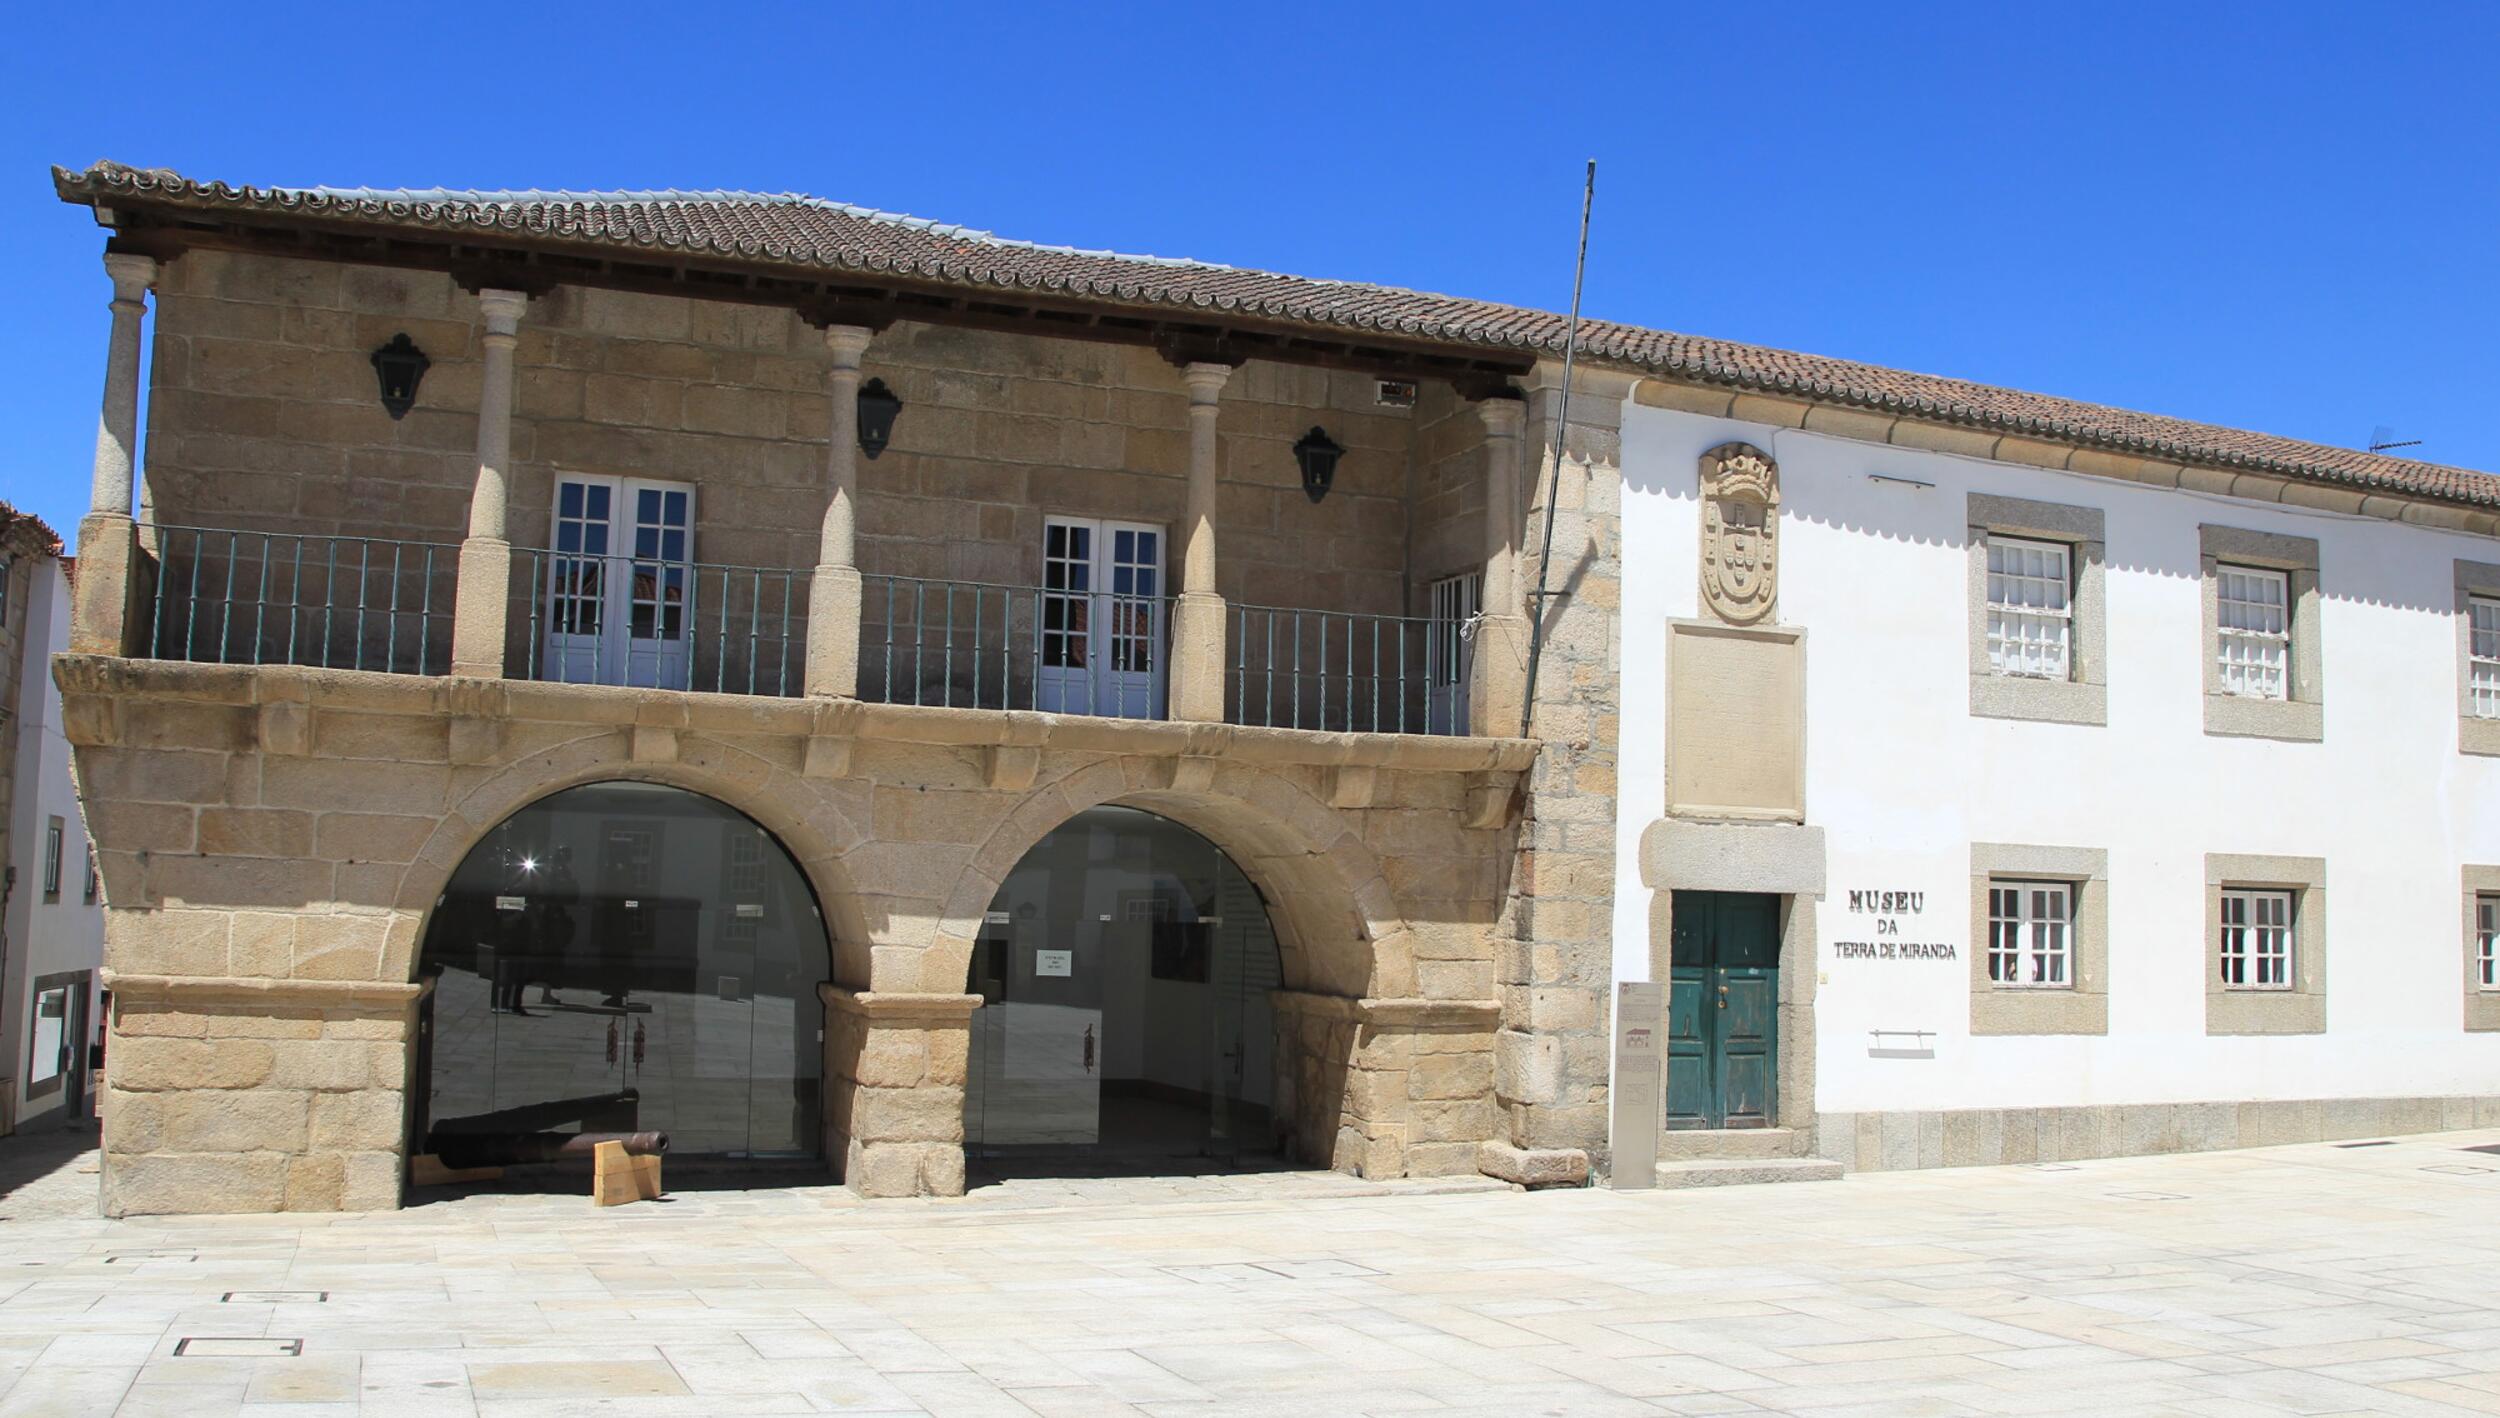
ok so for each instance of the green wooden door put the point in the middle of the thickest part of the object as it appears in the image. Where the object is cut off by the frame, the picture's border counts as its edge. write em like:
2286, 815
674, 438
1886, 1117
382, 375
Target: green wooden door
1723, 1011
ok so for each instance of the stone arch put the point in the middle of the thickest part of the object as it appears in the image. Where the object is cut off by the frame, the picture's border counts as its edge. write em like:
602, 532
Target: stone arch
816, 834
1337, 923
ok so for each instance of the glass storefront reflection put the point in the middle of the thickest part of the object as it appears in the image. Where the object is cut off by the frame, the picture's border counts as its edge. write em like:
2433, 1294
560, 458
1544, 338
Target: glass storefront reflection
1124, 970
626, 957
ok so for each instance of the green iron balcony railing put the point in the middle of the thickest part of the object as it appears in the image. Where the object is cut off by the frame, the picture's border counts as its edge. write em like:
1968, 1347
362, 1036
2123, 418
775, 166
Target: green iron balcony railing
1371, 674
970, 645
280, 598
652, 623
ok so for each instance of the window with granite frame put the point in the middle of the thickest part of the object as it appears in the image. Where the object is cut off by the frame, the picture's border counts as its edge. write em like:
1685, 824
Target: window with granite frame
2040, 917
2038, 627
2264, 671
2265, 944
2478, 657
2482, 949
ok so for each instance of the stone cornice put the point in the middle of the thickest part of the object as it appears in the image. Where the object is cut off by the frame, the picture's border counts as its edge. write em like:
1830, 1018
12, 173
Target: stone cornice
1393, 1012
106, 680
2044, 449
318, 994
894, 1004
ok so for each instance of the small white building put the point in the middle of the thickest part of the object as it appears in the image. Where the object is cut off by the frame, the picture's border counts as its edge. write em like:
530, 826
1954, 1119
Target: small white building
52, 933
2016, 774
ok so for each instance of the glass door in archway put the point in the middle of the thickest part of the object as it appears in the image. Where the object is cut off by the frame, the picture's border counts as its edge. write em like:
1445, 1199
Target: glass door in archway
1124, 970
628, 957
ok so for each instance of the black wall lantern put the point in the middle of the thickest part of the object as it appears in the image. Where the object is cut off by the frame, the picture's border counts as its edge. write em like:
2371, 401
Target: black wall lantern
400, 365
877, 408
1318, 454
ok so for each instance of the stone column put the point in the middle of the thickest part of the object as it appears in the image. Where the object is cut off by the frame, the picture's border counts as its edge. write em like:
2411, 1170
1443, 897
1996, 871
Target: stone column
1497, 667
483, 605
834, 598
894, 1089
1197, 687
102, 620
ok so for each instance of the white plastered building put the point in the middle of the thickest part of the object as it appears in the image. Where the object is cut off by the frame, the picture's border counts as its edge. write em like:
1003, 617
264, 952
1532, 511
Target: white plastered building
1984, 811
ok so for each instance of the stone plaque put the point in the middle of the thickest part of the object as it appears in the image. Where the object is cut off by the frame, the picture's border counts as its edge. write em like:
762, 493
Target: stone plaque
1640, 1057
1740, 513
1735, 722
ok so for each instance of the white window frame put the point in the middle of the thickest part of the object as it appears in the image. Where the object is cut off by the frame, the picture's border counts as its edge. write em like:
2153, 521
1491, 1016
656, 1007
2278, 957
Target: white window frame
2257, 943
605, 578
93, 887
2031, 934
2482, 657
2487, 941
2242, 650
2018, 598
1106, 655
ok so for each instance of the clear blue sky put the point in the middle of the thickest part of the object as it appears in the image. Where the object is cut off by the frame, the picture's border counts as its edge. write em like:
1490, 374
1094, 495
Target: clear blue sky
2280, 216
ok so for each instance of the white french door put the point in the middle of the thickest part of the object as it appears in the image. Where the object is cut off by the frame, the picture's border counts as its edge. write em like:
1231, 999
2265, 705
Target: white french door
620, 583
1102, 619
1455, 603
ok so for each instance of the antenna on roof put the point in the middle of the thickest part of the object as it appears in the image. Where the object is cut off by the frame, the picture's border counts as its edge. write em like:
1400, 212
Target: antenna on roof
2383, 438
1553, 481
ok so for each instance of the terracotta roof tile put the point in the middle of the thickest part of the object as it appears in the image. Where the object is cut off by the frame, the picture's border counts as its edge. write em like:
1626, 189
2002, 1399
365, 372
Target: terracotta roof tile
811, 232
47, 541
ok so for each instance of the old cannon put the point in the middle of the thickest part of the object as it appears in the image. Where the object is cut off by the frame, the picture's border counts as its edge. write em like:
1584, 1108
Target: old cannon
465, 1150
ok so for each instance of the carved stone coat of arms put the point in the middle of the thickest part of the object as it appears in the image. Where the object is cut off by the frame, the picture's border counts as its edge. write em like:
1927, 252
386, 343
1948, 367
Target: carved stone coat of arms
1740, 513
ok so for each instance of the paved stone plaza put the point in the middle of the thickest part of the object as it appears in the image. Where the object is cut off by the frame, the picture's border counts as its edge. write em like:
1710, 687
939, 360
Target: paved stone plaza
2314, 1279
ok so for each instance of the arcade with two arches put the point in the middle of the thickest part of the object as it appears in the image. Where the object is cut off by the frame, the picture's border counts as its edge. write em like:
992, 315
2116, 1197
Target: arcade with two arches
624, 956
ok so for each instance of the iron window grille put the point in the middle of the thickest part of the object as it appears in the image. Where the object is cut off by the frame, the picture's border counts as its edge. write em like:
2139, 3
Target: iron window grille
2031, 608
2031, 934
2253, 624
2482, 657
2256, 944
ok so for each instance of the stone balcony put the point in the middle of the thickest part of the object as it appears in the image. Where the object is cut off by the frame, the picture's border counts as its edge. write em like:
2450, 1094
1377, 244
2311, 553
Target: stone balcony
229, 596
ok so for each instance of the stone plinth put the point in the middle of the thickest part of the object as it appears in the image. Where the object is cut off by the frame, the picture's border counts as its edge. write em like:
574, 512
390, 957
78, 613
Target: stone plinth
236, 1095
894, 1089
1407, 1082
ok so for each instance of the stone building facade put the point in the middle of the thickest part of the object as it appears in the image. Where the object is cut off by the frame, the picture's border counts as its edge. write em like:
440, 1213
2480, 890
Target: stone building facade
281, 811
483, 531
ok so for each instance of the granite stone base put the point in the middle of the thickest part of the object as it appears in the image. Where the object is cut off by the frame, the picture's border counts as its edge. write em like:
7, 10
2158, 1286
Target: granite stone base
1985, 1137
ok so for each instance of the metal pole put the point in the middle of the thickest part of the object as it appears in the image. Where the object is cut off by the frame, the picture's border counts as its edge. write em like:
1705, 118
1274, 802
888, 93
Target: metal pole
1553, 481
